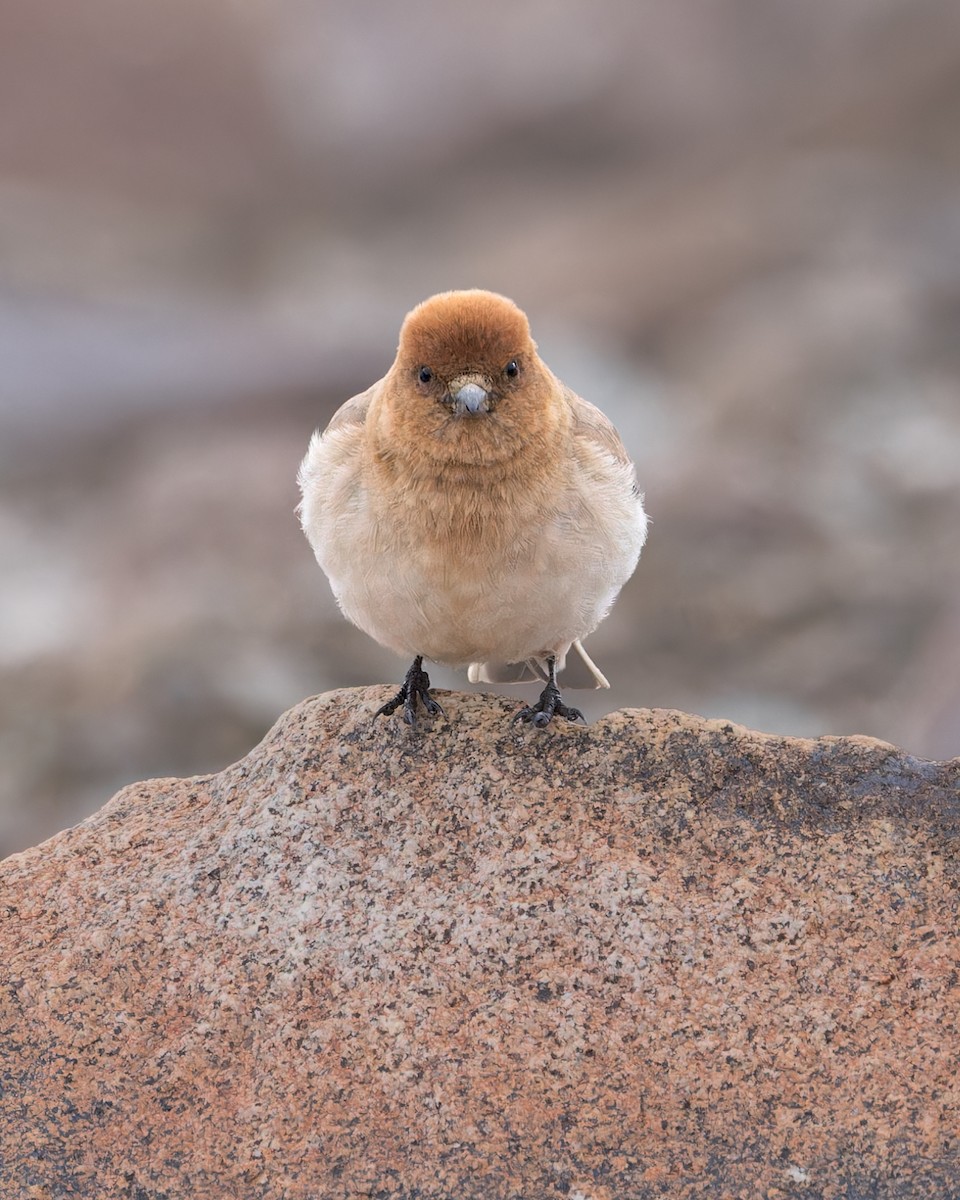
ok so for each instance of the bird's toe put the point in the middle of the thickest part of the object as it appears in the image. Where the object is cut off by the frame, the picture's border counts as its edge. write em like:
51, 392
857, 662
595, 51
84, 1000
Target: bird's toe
572, 714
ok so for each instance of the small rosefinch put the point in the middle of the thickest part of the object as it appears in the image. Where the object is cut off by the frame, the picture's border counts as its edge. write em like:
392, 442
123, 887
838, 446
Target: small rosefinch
470, 509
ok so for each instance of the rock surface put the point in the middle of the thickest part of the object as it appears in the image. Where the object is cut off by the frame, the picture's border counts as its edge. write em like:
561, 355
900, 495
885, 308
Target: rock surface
734, 226
659, 956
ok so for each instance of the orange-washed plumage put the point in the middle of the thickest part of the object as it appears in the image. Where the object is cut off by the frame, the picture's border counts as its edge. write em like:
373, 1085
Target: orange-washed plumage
470, 509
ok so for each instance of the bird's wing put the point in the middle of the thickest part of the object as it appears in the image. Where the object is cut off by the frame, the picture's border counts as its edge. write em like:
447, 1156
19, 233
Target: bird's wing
593, 426
354, 411
331, 447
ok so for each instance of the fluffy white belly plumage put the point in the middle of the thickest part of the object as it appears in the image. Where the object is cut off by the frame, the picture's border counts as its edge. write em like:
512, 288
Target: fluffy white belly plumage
506, 583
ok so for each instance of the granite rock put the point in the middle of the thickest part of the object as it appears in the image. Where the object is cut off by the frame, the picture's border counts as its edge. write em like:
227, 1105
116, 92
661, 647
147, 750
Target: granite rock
734, 226
659, 956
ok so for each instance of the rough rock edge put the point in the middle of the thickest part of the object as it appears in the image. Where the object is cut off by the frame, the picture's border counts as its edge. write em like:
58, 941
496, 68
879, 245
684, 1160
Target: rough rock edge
700, 792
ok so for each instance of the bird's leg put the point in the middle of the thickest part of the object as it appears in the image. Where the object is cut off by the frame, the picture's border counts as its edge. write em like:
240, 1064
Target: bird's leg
416, 686
550, 704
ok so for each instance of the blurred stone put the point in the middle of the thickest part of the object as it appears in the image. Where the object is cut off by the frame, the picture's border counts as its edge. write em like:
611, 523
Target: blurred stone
656, 956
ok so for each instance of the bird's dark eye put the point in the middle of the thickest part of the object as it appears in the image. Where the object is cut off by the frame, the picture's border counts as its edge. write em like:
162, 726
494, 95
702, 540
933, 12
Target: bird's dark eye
512, 369
425, 375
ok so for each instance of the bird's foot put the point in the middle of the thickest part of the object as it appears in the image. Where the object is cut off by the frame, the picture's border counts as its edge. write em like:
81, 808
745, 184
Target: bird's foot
549, 705
416, 687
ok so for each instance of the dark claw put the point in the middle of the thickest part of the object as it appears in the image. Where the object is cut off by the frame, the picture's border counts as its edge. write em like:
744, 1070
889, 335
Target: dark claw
416, 686
549, 705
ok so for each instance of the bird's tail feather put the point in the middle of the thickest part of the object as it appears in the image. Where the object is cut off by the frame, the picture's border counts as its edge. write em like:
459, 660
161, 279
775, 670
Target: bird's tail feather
579, 671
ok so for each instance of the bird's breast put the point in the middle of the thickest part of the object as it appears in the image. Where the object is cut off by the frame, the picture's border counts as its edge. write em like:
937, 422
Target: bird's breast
471, 565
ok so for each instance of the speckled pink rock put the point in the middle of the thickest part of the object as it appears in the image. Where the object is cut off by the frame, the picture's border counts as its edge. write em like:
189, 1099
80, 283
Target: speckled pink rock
660, 956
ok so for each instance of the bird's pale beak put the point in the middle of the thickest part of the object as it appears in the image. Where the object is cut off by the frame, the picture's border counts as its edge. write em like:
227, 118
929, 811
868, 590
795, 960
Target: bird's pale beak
471, 398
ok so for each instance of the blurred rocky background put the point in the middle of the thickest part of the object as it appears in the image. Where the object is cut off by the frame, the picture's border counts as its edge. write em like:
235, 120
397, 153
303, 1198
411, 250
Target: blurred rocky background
734, 226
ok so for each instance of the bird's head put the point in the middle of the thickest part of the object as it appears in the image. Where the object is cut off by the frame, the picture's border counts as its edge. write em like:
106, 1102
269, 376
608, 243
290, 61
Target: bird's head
467, 385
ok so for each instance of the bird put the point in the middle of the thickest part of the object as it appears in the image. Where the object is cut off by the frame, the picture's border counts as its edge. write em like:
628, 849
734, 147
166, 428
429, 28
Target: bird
472, 510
